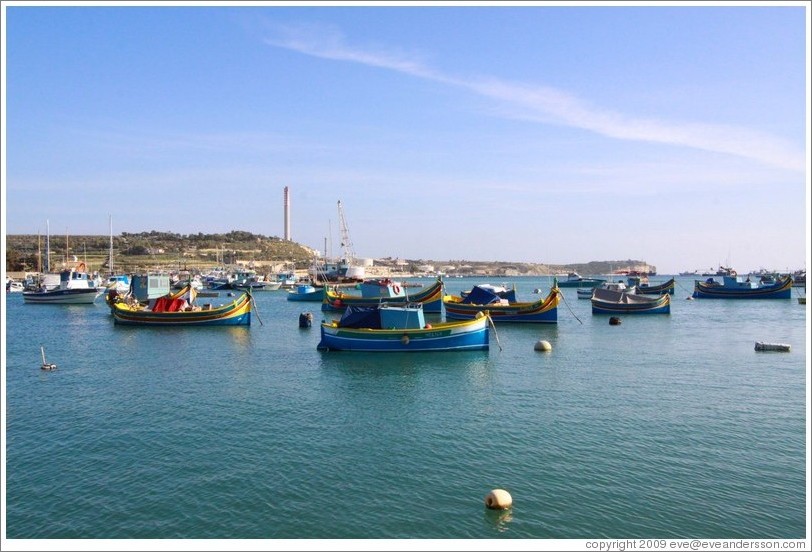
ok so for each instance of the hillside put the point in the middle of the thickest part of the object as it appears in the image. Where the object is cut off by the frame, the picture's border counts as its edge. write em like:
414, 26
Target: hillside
156, 249
166, 250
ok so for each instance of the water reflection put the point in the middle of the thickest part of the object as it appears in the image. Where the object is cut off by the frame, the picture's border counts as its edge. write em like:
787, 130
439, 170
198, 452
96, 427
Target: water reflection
498, 519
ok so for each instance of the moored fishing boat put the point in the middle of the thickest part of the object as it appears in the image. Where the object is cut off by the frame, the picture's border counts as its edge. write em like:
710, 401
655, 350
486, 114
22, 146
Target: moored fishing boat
75, 288
401, 328
375, 292
586, 293
306, 292
734, 287
642, 285
501, 290
576, 280
501, 310
180, 309
608, 301
13, 286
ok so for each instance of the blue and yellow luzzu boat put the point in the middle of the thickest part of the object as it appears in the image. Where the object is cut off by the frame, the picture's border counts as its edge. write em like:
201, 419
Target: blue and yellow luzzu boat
176, 310
375, 292
501, 310
733, 287
401, 328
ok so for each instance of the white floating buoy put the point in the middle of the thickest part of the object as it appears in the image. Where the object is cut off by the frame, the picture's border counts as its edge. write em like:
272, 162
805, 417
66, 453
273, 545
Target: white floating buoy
46, 365
498, 499
542, 345
689, 298
782, 347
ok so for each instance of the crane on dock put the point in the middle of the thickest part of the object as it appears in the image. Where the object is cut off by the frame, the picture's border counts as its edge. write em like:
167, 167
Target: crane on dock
346, 242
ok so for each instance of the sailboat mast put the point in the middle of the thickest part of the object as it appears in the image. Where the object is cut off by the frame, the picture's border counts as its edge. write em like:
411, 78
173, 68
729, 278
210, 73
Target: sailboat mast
111, 245
330, 233
47, 245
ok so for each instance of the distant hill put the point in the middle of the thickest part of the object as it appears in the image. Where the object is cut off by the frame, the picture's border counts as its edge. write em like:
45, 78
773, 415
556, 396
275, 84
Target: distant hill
138, 251
164, 249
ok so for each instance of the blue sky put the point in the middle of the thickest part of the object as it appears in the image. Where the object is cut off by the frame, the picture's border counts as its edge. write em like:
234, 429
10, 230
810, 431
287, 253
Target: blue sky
538, 133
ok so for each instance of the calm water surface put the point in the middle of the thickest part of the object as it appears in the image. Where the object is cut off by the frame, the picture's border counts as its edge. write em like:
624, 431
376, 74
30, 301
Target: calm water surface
664, 426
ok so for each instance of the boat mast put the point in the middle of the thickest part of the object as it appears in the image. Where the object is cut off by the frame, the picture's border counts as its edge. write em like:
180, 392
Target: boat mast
111, 245
330, 233
47, 245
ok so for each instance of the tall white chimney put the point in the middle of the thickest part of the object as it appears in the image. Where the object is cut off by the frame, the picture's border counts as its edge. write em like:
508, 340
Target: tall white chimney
287, 214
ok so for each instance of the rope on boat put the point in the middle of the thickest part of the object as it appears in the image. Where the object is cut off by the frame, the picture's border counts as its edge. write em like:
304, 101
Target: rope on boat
570, 308
690, 291
495, 334
254, 304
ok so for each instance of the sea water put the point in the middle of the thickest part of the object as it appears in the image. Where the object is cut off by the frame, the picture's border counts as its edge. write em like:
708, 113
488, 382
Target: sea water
665, 426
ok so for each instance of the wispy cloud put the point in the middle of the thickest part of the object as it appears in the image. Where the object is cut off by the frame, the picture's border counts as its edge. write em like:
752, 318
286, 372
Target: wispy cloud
545, 104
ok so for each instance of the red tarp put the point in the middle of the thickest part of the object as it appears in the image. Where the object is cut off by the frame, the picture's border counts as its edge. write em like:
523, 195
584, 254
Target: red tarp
165, 304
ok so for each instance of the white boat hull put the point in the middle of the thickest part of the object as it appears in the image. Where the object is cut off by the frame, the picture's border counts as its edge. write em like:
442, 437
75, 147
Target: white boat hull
61, 297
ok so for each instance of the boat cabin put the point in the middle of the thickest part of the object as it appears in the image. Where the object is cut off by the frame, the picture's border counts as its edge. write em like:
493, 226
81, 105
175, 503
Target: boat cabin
387, 317
616, 286
150, 286
304, 289
738, 282
408, 317
383, 287
71, 279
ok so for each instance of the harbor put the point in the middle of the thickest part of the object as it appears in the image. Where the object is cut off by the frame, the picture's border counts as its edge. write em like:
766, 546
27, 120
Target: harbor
661, 426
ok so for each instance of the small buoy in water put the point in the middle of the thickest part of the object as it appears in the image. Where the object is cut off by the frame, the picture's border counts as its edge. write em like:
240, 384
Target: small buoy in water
689, 298
614, 321
782, 347
498, 499
542, 345
305, 319
46, 365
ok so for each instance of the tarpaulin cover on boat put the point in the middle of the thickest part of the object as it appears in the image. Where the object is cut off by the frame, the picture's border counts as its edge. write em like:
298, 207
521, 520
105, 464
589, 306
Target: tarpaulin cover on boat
361, 317
481, 296
167, 304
